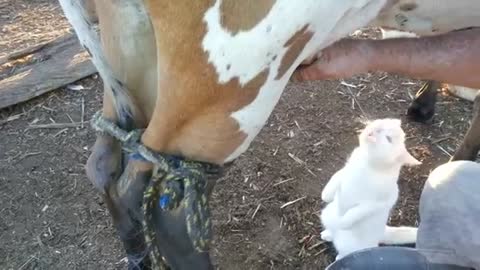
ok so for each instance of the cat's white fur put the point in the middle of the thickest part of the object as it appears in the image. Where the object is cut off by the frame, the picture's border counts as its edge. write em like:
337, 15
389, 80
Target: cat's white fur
361, 195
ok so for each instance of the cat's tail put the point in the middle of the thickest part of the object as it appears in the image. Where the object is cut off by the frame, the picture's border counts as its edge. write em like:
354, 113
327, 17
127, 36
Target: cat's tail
399, 235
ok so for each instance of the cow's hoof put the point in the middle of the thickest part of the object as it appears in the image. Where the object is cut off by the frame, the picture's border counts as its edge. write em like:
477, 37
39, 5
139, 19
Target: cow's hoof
104, 164
422, 108
419, 113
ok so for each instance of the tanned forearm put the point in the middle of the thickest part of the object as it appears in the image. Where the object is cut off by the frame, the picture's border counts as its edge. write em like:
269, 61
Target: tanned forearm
451, 58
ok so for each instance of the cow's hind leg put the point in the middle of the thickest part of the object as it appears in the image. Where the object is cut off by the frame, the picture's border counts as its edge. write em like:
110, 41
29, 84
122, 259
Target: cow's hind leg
123, 199
122, 180
470, 146
121, 188
422, 107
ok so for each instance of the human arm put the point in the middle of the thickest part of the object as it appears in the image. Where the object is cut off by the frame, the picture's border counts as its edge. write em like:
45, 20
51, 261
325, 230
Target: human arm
451, 58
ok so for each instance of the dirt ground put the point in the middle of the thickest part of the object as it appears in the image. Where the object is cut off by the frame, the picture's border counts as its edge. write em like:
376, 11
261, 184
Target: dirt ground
52, 218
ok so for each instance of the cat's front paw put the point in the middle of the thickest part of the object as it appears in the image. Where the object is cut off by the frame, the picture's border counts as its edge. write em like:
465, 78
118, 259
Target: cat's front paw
327, 197
326, 235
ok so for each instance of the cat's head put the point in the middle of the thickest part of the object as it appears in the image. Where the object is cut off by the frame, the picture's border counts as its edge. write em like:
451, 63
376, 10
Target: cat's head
384, 140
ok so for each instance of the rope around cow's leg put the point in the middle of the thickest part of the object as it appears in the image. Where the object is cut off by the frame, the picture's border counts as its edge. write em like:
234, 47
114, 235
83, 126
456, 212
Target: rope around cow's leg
183, 187
150, 200
175, 183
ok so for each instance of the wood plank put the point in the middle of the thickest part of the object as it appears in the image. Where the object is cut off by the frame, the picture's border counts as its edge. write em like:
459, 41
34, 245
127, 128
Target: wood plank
60, 62
22, 53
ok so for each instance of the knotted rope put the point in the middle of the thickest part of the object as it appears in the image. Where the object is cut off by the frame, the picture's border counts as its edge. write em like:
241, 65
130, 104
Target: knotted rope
175, 183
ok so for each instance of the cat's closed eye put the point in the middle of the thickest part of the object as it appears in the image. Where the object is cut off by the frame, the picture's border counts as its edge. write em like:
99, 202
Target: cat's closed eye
389, 139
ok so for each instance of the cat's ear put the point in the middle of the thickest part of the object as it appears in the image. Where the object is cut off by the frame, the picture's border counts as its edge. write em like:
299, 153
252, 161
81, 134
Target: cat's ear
409, 160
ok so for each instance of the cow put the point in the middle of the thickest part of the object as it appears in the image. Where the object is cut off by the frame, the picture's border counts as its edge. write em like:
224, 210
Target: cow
189, 85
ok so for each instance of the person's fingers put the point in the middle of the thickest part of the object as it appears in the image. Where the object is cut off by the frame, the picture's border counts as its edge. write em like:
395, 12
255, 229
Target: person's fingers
309, 60
326, 64
340, 60
309, 73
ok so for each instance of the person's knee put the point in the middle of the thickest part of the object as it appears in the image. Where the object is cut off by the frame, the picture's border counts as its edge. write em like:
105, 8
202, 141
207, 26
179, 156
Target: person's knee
449, 190
452, 175
449, 210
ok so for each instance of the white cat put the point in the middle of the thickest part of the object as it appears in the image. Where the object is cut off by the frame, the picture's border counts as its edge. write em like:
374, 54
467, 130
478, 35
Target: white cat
361, 194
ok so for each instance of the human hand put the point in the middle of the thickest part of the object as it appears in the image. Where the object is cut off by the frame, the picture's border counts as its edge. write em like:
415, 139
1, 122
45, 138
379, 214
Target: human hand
343, 59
